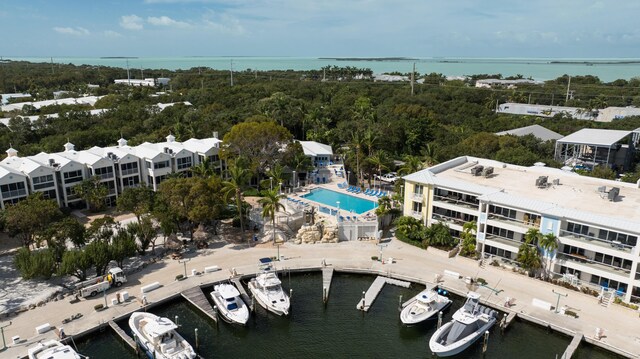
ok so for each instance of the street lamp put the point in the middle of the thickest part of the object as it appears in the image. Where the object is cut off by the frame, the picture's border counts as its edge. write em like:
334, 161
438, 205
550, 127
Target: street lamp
4, 344
280, 187
348, 173
294, 180
338, 212
184, 261
559, 295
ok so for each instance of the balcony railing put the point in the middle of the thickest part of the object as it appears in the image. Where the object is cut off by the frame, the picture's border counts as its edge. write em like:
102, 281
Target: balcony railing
593, 264
522, 223
417, 197
16, 193
416, 214
441, 217
456, 201
596, 241
510, 241
105, 176
131, 171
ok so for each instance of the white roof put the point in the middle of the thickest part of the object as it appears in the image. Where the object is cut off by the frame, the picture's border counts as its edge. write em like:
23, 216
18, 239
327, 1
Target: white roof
201, 145
162, 106
8, 170
84, 157
596, 137
44, 157
575, 198
538, 131
88, 100
22, 164
313, 148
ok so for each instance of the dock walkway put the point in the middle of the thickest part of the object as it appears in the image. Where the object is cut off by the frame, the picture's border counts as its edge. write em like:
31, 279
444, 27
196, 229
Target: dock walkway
196, 297
327, 276
122, 334
571, 349
243, 293
375, 289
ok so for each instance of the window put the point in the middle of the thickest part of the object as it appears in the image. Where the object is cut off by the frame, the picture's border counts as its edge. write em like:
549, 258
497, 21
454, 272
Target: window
214, 158
149, 164
183, 162
128, 168
498, 252
161, 164
501, 211
13, 190
42, 182
577, 228
418, 189
620, 237
159, 179
104, 172
500, 232
50, 194
73, 176
417, 207
130, 181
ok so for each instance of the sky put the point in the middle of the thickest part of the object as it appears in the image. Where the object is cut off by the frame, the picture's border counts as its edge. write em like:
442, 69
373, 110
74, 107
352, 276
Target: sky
322, 28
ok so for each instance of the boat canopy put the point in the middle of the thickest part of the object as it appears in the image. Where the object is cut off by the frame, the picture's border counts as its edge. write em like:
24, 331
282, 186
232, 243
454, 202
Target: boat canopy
268, 280
427, 297
158, 328
227, 291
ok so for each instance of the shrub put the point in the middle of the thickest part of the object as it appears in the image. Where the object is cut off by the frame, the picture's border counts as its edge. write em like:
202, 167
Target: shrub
571, 313
98, 307
180, 277
495, 263
236, 222
481, 281
374, 258
39, 263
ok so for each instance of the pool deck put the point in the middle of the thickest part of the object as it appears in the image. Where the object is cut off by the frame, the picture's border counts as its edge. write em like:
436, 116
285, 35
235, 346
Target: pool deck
620, 324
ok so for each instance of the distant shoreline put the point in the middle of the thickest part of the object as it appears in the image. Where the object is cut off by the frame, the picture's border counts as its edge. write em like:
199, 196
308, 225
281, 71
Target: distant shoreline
621, 62
119, 57
368, 58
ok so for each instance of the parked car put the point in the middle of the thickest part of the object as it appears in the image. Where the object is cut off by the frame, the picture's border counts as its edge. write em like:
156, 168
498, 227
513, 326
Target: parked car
390, 177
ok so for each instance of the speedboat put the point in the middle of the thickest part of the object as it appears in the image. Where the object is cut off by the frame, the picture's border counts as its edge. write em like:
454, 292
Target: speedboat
468, 324
267, 290
158, 338
424, 306
52, 349
230, 306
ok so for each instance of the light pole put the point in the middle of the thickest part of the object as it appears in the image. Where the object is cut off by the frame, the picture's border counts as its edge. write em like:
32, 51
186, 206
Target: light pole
280, 187
184, 261
338, 212
559, 295
294, 180
348, 173
4, 344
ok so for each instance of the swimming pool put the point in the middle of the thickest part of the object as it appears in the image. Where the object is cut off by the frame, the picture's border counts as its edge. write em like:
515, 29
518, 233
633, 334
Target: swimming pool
347, 202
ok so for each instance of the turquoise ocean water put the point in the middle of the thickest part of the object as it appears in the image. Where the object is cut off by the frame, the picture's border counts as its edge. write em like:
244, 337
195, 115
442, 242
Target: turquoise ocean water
537, 68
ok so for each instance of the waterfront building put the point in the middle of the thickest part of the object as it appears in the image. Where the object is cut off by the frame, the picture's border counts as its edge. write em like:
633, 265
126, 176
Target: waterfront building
599, 115
40, 178
492, 83
118, 168
68, 174
596, 221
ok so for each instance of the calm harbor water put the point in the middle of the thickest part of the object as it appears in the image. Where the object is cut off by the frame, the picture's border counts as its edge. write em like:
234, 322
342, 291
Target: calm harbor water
537, 68
337, 331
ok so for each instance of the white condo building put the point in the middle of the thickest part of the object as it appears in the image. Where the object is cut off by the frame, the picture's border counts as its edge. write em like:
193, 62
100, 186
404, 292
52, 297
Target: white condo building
596, 221
118, 167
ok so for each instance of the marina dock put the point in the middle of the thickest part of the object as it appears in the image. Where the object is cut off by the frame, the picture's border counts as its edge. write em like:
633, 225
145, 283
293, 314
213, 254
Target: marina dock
568, 353
196, 297
243, 293
507, 320
327, 276
123, 335
375, 289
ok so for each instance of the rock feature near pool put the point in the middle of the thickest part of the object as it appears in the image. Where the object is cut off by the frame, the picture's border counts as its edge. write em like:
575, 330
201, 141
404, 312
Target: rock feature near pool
330, 234
309, 233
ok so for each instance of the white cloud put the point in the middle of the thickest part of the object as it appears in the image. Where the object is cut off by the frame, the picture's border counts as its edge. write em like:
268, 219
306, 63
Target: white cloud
131, 22
111, 34
77, 31
223, 23
166, 21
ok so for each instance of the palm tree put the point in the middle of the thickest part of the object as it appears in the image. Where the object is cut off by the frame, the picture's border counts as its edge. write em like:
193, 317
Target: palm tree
238, 177
270, 206
411, 164
379, 161
277, 173
548, 243
203, 169
468, 238
370, 139
528, 254
430, 153
356, 145
532, 236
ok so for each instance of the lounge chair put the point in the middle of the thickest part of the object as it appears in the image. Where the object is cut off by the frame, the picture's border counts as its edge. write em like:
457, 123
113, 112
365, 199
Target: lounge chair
341, 219
357, 190
374, 193
382, 194
348, 218
367, 191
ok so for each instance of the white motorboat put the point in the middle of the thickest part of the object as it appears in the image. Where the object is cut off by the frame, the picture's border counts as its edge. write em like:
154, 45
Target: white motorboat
52, 349
426, 305
468, 324
266, 288
230, 306
158, 338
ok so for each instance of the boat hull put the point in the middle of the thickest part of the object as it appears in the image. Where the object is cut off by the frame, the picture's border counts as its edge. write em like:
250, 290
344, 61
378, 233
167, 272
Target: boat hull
458, 346
408, 319
146, 345
264, 301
